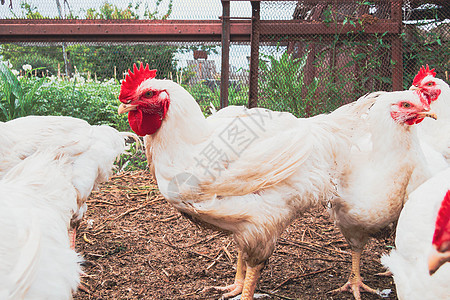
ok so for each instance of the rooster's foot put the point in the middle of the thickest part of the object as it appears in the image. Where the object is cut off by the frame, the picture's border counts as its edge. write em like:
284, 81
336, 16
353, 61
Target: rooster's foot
232, 289
356, 287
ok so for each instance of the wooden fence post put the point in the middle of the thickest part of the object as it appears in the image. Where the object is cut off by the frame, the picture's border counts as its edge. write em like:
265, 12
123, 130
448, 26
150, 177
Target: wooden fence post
224, 82
254, 55
396, 47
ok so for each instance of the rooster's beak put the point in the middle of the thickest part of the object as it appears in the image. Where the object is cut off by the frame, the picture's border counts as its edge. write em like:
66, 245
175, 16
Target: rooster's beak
414, 88
123, 108
424, 114
437, 259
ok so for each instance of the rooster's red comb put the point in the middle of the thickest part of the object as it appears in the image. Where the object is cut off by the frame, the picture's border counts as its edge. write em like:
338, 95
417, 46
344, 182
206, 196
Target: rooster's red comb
423, 72
133, 80
442, 222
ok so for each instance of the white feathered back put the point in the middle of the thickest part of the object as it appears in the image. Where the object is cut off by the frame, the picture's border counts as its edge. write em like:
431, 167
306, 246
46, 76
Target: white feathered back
92, 149
37, 200
415, 229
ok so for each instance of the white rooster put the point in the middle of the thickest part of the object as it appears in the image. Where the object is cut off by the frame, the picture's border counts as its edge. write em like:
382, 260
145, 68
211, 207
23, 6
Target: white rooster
91, 149
37, 200
248, 172
414, 239
372, 188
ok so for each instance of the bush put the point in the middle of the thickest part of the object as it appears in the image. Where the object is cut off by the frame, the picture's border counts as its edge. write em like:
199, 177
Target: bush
91, 101
282, 84
132, 161
17, 97
206, 96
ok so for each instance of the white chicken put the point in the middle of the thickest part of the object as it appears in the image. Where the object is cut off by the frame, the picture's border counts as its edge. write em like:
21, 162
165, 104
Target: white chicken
435, 133
372, 188
413, 243
37, 199
91, 149
248, 172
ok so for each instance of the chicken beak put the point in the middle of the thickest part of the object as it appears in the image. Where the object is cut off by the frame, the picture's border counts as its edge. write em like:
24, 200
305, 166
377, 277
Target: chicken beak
123, 108
437, 259
429, 114
414, 88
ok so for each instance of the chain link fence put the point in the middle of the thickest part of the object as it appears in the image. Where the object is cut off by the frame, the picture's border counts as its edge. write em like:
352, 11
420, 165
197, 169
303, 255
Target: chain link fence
307, 72
323, 70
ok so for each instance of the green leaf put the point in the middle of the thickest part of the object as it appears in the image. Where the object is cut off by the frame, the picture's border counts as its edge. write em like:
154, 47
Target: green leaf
8, 77
27, 102
361, 56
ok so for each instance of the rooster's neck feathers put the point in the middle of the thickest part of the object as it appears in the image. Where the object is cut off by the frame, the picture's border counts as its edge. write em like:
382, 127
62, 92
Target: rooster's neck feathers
184, 121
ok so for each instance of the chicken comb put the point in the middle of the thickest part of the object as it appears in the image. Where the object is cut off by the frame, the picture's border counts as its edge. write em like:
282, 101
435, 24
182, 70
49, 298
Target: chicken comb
423, 72
442, 222
133, 80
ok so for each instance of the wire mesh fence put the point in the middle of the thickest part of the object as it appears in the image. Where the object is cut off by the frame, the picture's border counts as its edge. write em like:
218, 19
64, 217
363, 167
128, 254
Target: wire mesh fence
326, 54
329, 68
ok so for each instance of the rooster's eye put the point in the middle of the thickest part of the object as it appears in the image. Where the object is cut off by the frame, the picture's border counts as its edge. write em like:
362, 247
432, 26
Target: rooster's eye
148, 94
406, 105
430, 84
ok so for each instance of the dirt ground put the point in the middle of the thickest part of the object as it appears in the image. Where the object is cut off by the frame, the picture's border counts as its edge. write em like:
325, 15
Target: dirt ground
137, 246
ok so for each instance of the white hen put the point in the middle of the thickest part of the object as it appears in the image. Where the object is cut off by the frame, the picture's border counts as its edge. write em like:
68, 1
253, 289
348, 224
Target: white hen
37, 200
413, 242
435, 133
372, 188
91, 149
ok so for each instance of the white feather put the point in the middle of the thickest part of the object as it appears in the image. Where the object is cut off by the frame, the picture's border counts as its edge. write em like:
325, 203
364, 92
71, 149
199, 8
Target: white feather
91, 149
37, 200
415, 229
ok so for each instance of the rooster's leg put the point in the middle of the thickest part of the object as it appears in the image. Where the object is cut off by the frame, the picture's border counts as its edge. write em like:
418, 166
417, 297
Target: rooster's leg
235, 288
355, 283
251, 279
72, 237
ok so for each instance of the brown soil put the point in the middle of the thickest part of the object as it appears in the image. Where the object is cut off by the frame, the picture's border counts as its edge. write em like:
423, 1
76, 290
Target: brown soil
137, 246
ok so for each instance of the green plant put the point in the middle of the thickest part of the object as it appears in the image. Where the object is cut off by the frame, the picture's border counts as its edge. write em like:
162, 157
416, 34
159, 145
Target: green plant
282, 85
110, 11
101, 61
134, 160
47, 58
95, 102
207, 96
16, 100
352, 66
422, 46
